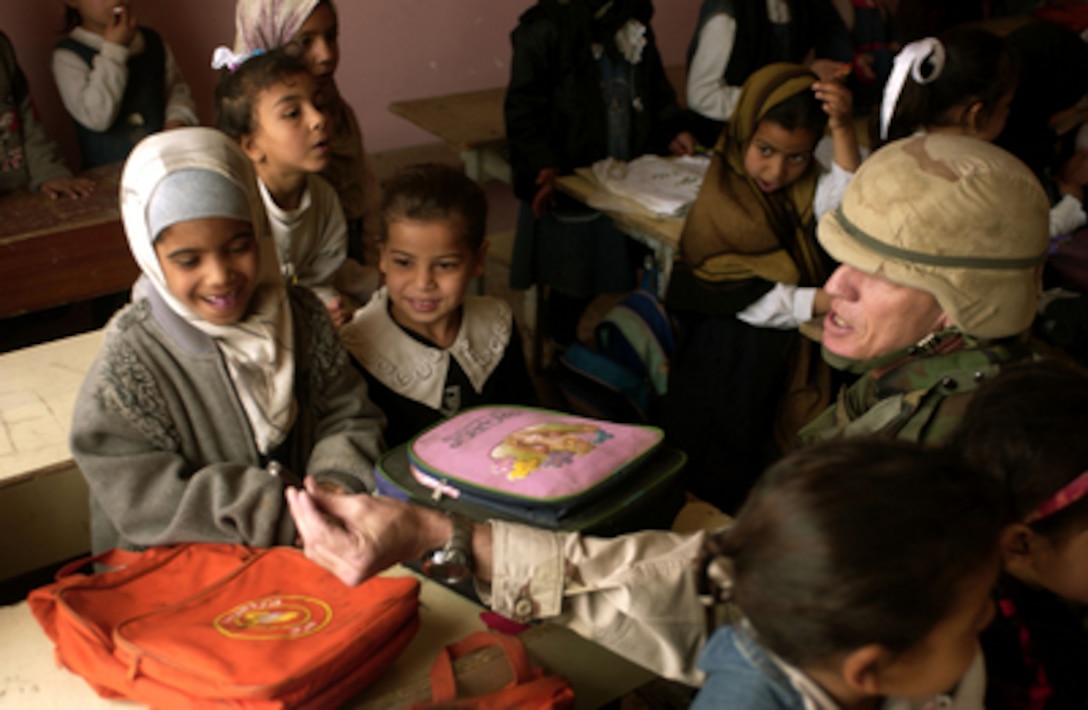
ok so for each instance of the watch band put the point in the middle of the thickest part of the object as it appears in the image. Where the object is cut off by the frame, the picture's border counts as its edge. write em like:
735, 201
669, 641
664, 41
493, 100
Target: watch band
452, 563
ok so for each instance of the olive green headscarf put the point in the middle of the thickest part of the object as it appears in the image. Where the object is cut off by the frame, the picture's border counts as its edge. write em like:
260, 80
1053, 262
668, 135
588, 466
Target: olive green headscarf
735, 231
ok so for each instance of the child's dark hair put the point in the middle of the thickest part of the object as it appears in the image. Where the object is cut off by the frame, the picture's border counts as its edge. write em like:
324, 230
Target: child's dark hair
1028, 428
978, 67
856, 542
802, 110
430, 192
236, 91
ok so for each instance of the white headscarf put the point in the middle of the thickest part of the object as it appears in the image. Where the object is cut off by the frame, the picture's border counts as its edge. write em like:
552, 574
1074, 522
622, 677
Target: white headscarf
258, 349
268, 24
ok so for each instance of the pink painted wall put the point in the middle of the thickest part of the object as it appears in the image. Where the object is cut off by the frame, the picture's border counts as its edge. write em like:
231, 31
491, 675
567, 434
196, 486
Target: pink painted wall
390, 50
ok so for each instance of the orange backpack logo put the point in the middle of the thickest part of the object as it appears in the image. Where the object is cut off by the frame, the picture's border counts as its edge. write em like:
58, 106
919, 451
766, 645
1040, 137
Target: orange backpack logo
278, 617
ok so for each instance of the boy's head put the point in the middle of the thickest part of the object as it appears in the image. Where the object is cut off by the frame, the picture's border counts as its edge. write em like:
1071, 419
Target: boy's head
433, 222
269, 104
869, 560
195, 225
1027, 429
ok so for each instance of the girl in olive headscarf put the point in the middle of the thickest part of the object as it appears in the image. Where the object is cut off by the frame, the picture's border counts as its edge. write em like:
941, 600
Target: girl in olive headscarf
742, 380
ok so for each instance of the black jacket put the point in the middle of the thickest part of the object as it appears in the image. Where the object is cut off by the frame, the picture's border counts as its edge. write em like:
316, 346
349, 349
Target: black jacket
555, 112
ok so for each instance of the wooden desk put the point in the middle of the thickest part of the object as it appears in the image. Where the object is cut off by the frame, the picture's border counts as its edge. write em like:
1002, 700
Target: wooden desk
43, 497
54, 252
31, 679
471, 123
660, 234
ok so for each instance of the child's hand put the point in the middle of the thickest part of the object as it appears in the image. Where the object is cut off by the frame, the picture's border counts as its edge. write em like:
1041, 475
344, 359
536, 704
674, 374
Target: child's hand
174, 123
837, 102
338, 311
544, 199
76, 188
683, 144
122, 29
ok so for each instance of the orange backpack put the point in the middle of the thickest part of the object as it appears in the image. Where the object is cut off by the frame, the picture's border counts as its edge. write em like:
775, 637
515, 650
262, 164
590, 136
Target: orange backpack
213, 625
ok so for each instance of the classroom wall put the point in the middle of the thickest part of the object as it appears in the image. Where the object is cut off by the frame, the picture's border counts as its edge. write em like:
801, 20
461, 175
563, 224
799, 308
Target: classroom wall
391, 49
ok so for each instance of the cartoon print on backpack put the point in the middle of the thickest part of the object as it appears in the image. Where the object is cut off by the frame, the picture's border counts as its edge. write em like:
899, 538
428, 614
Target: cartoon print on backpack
549, 445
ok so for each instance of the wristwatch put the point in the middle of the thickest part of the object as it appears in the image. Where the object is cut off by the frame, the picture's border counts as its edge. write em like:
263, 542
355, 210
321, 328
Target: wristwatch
452, 563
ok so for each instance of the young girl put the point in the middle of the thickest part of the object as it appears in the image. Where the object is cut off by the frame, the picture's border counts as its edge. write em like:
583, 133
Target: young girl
742, 381
28, 158
217, 372
428, 349
269, 104
1026, 429
586, 83
309, 28
863, 572
963, 82
118, 79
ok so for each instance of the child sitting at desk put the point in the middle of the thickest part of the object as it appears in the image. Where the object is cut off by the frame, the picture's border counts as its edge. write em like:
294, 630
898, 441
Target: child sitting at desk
742, 381
119, 80
269, 103
586, 83
428, 349
220, 370
310, 29
28, 158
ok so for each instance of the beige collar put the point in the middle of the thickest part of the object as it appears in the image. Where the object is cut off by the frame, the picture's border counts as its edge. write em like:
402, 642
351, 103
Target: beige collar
418, 371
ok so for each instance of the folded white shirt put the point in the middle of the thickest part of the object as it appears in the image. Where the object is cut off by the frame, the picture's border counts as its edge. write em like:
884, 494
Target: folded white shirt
665, 186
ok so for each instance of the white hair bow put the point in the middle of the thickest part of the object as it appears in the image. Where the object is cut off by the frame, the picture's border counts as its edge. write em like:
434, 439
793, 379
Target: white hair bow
224, 58
910, 60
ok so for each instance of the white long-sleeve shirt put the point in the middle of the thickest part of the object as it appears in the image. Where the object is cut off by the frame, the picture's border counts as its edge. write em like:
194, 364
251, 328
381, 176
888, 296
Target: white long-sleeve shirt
708, 94
92, 95
312, 239
786, 306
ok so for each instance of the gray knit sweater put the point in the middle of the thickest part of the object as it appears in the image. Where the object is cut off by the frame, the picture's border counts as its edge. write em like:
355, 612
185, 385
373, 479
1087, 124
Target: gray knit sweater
165, 445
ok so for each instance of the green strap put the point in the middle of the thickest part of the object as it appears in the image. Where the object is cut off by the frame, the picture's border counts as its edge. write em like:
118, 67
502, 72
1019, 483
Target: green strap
948, 261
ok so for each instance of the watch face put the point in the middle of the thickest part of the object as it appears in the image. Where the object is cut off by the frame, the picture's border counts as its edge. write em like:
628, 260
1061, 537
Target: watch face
448, 566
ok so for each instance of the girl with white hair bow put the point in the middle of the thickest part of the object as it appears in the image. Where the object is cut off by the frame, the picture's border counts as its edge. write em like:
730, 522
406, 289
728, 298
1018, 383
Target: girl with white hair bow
962, 83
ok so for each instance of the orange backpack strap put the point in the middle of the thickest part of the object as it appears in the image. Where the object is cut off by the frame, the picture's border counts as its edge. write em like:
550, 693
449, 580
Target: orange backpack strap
443, 681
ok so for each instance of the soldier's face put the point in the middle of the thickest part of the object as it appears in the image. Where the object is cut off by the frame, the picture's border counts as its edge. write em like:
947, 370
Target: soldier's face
871, 316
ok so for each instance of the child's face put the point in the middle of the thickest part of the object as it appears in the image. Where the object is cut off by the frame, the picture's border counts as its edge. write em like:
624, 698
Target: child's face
210, 265
289, 134
318, 43
427, 267
1061, 565
937, 662
775, 157
97, 14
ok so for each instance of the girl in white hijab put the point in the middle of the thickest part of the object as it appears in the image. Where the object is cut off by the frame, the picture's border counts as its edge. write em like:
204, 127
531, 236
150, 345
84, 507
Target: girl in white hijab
218, 371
